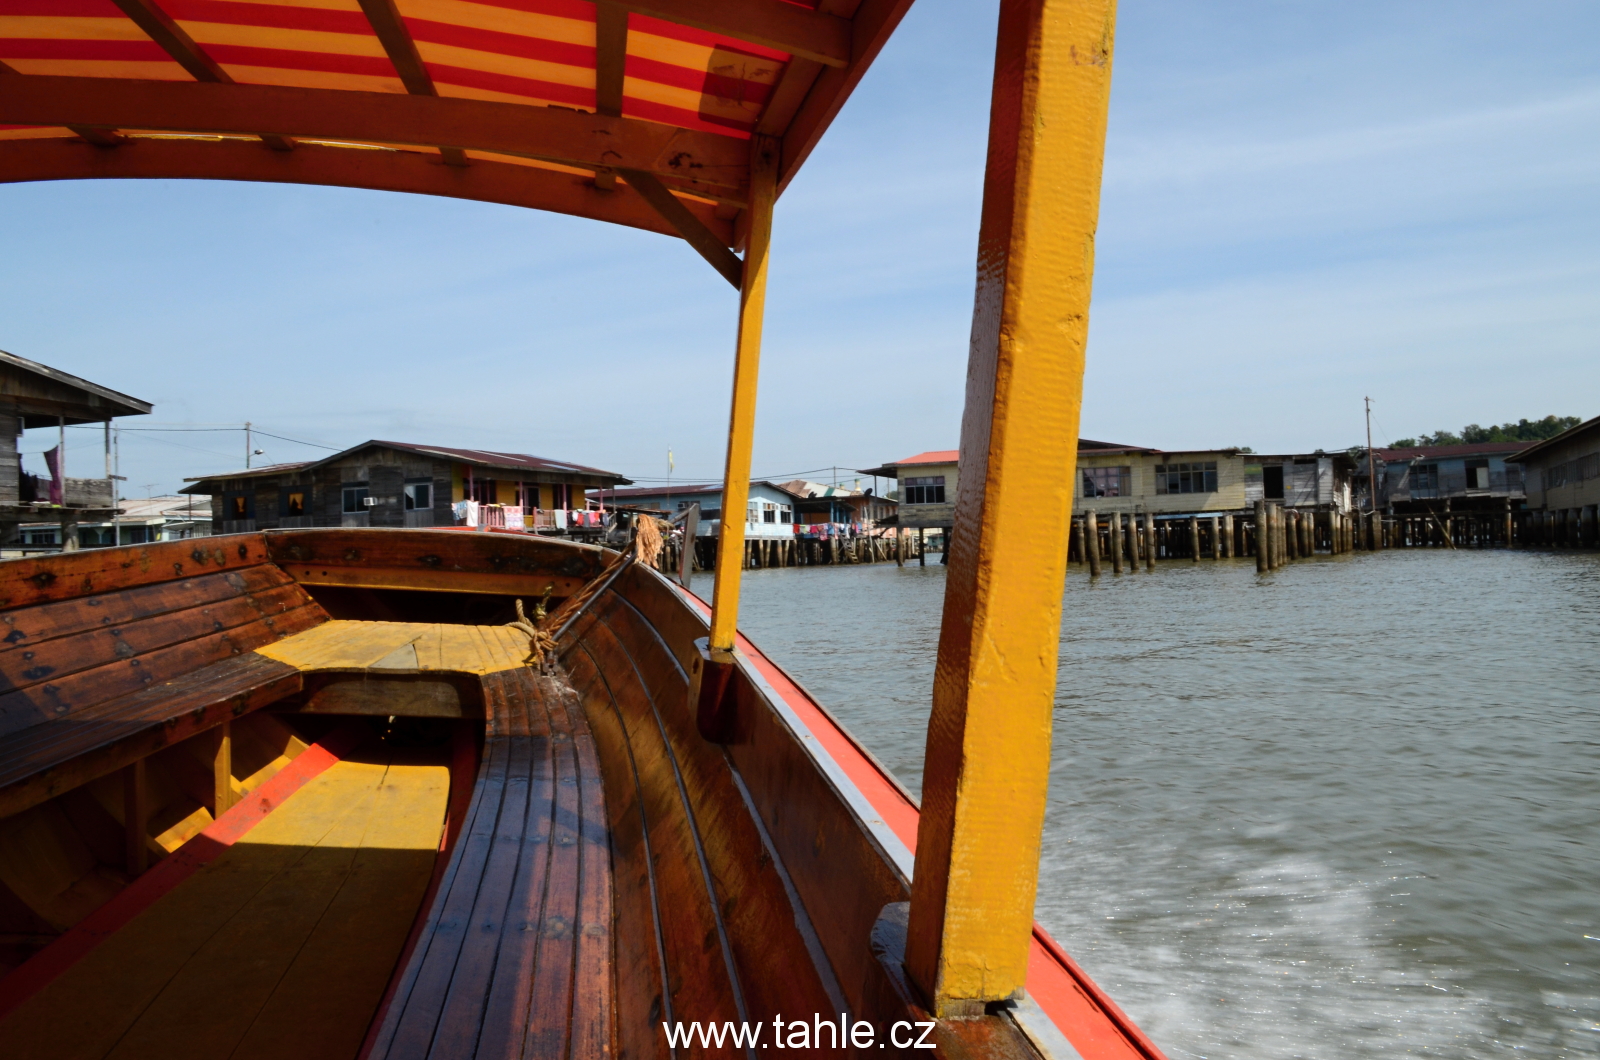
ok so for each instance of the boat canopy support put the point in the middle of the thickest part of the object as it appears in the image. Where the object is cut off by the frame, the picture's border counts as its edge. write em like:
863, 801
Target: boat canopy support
988, 752
764, 156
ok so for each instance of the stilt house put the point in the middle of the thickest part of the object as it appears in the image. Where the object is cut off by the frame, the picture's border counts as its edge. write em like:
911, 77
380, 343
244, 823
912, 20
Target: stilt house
399, 484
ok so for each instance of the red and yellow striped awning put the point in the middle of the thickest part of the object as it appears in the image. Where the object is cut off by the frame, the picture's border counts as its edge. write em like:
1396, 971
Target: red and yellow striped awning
641, 113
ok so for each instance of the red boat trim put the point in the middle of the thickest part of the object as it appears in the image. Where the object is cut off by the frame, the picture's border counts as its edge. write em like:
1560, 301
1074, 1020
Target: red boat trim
1083, 1012
44, 967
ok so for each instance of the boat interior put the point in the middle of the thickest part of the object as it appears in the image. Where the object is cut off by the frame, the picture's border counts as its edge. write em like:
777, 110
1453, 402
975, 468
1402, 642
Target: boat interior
246, 768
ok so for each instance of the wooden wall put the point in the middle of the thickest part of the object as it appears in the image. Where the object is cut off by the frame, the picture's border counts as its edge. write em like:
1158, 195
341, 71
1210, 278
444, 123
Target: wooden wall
9, 429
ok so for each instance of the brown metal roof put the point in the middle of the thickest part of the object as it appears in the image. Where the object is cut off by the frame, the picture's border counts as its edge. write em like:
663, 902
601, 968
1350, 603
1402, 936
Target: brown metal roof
492, 458
519, 462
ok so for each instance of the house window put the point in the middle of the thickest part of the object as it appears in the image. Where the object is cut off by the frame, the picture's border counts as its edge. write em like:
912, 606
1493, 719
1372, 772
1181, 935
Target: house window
710, 513
1187, 478
1555, 477
785, 514
484, 492
1425, 476
561, 495
769, 513
926, 490
419, 496
355, 499
1477, 474
1107, 481
294, 503
241, 506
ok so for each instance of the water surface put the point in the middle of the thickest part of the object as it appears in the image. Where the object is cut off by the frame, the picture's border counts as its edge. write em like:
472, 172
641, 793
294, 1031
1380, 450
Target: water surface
1347, 809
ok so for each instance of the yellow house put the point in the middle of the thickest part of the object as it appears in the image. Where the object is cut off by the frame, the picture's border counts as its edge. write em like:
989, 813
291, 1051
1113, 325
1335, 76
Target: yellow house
925, 487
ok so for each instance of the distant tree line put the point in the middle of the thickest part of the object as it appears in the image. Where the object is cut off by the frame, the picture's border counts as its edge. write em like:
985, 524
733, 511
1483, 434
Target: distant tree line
1521, 431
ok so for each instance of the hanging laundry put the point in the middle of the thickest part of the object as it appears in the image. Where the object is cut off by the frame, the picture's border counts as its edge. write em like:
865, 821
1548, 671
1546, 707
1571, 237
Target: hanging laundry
466, 513
52, 460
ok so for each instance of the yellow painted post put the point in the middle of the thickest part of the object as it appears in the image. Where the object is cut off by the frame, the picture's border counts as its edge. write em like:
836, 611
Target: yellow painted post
988, 751
764, 155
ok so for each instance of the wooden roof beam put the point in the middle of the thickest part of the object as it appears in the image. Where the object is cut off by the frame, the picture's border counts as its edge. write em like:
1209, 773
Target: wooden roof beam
694, 231
98, 137
690, 159
813, 35
377, 170
160, 27
610, 56
390, 28
610, 64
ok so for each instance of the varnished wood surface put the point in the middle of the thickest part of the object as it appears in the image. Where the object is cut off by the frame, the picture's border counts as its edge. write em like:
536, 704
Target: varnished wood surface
152, 646
45, 760
524, 564
515, 958
281, 946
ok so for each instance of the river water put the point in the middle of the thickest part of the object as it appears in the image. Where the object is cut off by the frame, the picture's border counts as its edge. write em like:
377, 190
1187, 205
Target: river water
1347, 809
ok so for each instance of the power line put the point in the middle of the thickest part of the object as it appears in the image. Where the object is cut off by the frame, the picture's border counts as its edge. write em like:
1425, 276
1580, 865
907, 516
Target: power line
207, 430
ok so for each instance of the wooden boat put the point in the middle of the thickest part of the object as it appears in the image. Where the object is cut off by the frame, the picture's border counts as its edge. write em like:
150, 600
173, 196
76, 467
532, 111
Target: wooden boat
321, 793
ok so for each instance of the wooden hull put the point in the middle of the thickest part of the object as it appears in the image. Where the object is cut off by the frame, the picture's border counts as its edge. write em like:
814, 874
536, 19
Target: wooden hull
600, 868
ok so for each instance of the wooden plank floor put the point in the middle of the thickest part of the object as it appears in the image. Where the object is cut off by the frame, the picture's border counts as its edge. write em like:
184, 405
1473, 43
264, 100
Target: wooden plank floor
282, 947
515, 959
402, 646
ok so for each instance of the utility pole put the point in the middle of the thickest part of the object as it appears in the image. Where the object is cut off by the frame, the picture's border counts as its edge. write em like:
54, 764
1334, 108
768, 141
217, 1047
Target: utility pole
247, 445
116, 477
1372, 480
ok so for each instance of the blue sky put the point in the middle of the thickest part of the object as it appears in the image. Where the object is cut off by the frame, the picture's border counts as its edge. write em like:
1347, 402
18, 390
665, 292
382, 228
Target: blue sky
1304, 204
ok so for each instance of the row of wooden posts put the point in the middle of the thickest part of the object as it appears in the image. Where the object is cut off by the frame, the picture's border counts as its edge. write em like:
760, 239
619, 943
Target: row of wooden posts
1130, 538
897, 545
1562, 528
1273, 534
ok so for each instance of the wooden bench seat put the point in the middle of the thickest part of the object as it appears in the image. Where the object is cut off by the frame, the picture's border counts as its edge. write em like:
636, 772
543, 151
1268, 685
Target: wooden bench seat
515, 956
92, 682
45, 760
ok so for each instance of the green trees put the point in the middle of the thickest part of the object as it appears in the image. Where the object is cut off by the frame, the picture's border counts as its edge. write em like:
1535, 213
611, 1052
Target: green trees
1522, 431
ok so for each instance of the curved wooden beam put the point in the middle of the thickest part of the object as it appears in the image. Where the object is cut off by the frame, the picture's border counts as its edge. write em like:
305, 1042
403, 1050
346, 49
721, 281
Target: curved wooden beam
689, 159
345, 167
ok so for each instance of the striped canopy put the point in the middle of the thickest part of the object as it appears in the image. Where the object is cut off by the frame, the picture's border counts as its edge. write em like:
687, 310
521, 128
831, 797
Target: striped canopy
640, 113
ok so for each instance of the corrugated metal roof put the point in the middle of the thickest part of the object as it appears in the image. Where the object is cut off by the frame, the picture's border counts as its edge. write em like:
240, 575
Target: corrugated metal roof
120, 404
686, 490
1433, 452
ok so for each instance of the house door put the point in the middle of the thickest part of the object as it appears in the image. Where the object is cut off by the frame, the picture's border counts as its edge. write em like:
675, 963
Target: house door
1272, 482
